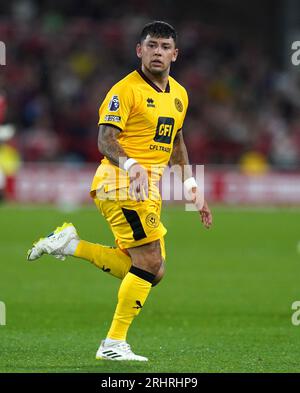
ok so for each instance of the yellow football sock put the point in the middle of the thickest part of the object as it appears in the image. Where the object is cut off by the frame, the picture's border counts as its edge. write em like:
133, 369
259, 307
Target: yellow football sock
109, 259
132, 295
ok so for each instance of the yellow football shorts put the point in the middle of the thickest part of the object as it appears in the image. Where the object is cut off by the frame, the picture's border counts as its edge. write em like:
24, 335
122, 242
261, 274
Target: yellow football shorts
132, 223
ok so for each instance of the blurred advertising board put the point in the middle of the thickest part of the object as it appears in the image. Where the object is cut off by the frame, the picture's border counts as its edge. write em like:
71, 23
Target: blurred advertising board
61, 184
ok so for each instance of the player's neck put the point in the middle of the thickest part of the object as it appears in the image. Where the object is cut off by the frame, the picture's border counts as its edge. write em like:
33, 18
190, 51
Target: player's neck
159, 80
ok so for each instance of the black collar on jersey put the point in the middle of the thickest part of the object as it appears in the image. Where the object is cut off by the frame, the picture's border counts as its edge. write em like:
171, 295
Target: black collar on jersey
146, 79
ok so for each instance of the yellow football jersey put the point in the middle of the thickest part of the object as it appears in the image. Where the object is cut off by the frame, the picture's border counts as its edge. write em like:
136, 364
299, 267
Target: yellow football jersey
148, 119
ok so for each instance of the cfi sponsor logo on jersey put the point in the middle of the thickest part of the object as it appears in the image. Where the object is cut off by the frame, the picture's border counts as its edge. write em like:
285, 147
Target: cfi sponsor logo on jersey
114, 104
164, 130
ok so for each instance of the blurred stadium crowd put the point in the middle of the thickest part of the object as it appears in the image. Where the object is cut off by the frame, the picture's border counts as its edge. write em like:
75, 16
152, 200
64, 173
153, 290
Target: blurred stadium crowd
59, 70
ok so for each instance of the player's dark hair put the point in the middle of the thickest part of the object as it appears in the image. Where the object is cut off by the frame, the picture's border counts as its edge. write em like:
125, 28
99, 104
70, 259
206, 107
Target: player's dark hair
158, 29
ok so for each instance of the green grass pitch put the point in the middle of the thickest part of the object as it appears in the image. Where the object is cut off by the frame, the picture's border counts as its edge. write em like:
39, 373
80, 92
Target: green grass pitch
223, 306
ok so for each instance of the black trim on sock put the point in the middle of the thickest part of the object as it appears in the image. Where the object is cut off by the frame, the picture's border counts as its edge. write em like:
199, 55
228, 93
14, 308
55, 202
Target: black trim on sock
147, 276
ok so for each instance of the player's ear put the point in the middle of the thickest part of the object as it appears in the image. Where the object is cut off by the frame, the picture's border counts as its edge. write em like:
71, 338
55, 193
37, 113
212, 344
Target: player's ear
139, 50
175, 54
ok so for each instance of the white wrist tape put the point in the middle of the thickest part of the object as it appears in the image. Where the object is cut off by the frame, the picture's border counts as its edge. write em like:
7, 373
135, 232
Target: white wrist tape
128, 163
190, 183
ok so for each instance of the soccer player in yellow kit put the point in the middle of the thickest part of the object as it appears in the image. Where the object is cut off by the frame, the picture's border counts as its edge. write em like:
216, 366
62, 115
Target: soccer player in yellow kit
140, 132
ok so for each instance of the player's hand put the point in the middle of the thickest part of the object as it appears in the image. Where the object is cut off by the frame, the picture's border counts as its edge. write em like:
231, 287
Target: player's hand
202, 207
138, 188
206, 215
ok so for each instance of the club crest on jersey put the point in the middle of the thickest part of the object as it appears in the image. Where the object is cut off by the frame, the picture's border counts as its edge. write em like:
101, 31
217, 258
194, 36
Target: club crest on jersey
178, 105
114, 104
152, 220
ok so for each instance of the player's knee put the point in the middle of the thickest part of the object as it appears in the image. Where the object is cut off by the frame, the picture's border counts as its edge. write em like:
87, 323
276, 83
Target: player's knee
147, 257
153, 257
159, 274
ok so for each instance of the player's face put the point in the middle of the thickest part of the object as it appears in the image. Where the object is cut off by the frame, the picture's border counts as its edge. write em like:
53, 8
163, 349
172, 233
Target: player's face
157, 54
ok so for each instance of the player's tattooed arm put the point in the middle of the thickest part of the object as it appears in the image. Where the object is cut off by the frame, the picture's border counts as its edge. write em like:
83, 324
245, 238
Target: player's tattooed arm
180, 162
109, 146
179, 158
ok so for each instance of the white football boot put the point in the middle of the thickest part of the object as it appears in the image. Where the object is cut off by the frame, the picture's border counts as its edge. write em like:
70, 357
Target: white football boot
117, 351
55, 244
